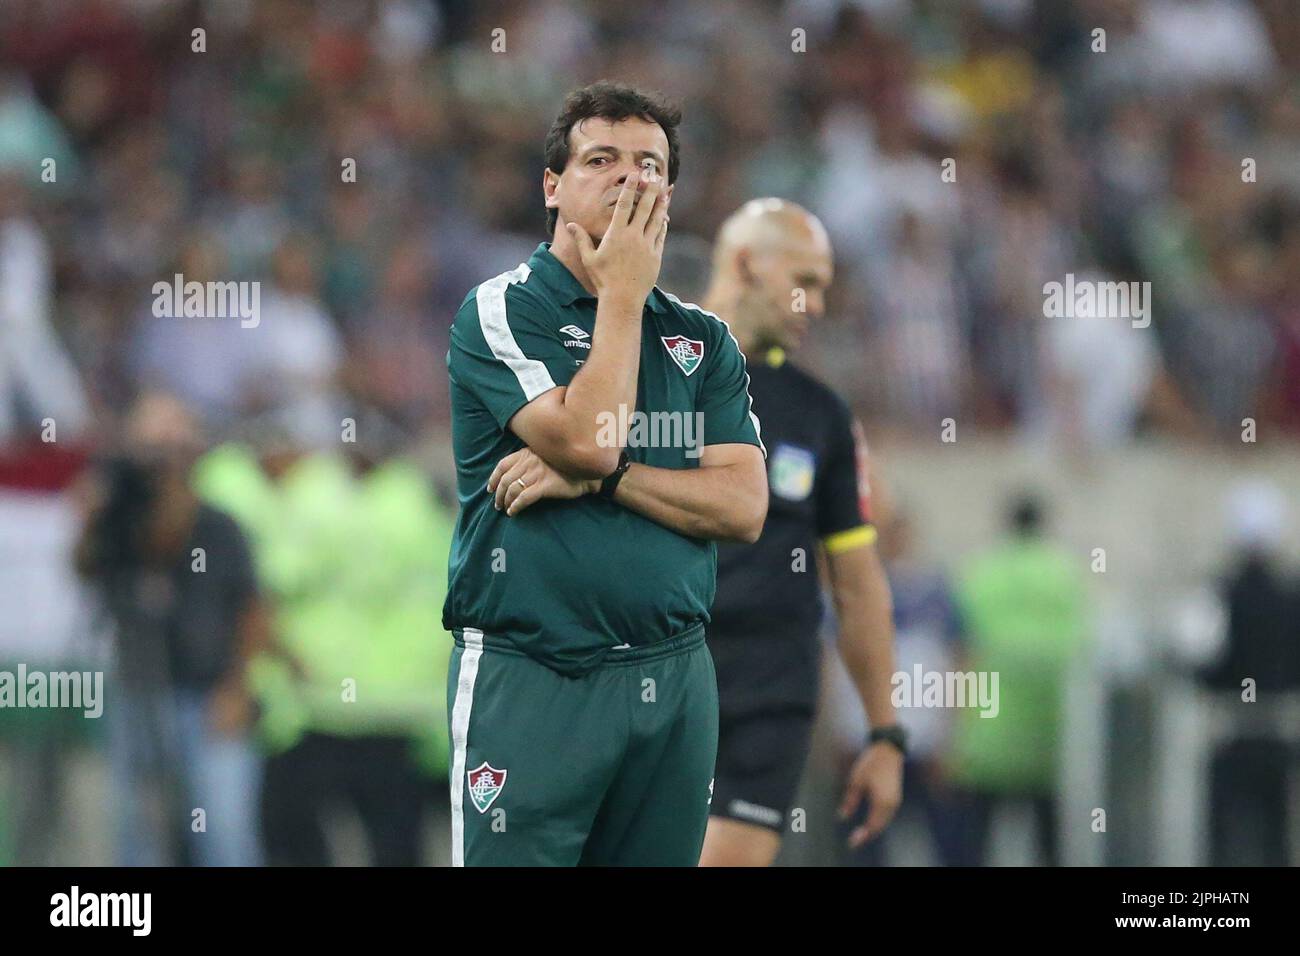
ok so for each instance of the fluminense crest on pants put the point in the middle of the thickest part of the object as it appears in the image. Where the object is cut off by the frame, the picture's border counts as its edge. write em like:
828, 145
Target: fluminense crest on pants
485, 784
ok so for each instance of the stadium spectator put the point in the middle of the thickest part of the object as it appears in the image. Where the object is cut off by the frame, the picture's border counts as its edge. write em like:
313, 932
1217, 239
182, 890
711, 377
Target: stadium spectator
204, 359
1104, 379
38, 381
296, 351
919, 337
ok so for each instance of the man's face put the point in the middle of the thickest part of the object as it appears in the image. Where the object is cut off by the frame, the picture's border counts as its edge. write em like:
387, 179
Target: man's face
162, 438
602, 154
788, 286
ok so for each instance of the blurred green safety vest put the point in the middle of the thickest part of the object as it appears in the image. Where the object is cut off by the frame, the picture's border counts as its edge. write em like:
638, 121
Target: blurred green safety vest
354, 570
1023, 606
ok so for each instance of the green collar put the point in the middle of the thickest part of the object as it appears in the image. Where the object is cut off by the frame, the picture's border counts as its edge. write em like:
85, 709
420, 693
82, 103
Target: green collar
567, 289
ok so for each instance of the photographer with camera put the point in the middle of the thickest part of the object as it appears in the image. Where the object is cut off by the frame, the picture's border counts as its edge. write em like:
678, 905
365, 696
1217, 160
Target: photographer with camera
177, 582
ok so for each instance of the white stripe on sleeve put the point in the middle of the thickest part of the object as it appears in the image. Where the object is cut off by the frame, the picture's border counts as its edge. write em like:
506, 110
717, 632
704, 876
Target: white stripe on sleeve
533, 376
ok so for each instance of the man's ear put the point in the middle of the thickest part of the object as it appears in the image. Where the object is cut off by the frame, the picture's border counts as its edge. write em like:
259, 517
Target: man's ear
550, 184
745, 267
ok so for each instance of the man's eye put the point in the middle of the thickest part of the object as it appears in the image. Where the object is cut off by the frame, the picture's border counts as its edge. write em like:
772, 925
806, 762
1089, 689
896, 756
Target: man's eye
598, 159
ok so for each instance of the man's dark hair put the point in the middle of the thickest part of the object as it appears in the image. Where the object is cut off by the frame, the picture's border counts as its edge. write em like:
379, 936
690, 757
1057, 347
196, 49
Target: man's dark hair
614, 102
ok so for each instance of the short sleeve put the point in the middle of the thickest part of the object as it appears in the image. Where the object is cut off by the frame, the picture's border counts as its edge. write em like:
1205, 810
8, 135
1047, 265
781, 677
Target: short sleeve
504, 350
724, 399
843, 494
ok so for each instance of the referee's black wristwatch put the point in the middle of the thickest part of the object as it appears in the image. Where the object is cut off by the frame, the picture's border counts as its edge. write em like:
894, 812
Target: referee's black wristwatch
894, 734
610, 484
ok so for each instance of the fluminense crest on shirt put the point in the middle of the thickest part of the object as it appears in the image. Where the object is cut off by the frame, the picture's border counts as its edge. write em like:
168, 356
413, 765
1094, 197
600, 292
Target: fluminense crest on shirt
687, 353
485, 785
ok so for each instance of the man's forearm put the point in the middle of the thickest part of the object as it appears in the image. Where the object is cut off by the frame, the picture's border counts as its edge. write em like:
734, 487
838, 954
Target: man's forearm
577, 429
864, 609
715, 502
608, 377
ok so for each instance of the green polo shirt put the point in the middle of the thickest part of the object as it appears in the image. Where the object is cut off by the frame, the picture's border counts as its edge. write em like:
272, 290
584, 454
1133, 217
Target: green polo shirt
566, 581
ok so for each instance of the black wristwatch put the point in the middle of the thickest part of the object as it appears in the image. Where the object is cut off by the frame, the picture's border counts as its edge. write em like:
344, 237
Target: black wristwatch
895, 734
610, 484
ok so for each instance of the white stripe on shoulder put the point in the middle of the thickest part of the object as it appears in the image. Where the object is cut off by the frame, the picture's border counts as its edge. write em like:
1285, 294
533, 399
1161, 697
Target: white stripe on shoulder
758, 429
533, 376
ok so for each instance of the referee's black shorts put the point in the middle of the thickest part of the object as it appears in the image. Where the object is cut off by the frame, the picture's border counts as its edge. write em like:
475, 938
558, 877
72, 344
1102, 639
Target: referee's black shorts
767, 697
761, 758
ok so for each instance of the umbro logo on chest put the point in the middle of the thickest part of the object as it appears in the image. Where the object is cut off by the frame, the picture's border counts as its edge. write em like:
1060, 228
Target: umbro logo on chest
576, 337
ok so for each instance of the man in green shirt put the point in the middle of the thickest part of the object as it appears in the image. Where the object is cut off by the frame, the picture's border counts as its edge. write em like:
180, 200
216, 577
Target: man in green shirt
603, 440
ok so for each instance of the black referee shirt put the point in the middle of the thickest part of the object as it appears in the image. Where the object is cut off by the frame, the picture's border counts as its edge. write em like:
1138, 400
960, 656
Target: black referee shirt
768, 608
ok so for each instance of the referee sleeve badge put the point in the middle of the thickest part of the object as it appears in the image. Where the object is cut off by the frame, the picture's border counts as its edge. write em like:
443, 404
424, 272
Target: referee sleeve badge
791, 472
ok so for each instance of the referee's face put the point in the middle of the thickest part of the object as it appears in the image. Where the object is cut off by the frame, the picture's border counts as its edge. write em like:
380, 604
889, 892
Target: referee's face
792, 280
602, 154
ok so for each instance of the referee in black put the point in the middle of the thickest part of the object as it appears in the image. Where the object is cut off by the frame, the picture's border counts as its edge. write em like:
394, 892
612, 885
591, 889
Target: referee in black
771, 267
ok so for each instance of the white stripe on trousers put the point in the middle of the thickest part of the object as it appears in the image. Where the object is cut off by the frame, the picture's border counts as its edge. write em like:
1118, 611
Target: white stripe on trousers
468, 673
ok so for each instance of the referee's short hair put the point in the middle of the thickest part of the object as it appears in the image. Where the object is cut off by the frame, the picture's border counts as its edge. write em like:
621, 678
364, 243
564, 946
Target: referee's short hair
605, 99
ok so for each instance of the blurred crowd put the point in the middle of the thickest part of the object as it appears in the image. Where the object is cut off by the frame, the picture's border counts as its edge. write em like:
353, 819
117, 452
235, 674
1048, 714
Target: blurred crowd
1118, 155
369, 161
